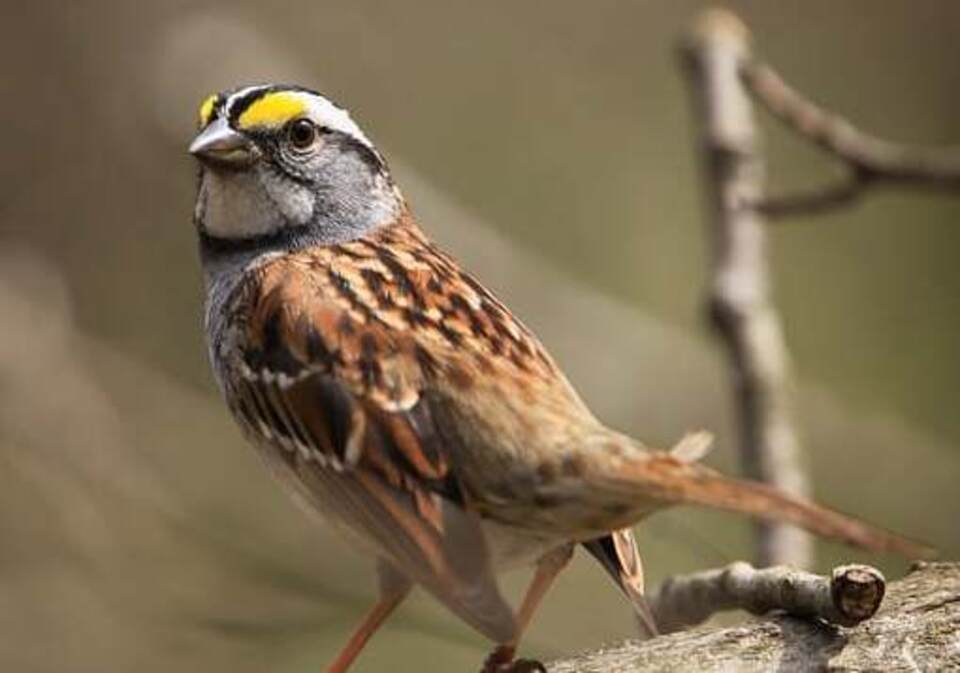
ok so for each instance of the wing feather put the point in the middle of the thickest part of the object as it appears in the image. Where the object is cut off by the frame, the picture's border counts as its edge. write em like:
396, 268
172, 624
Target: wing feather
336, 405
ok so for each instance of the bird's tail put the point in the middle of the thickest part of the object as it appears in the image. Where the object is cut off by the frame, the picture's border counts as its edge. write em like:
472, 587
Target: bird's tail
672, 478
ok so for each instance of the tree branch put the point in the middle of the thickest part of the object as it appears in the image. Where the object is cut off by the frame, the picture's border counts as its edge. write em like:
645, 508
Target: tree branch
821, 200
849, 596
874, 157
915, 630
870, 160
739, 297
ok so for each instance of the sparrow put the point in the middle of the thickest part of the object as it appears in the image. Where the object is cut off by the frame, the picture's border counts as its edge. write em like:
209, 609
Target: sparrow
395, 395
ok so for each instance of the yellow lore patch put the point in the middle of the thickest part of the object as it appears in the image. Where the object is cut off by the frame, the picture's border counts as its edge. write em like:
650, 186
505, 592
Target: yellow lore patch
206, 109
273, 110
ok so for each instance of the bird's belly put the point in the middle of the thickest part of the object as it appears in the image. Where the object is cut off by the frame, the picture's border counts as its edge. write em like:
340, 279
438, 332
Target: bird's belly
512, 547
509, 546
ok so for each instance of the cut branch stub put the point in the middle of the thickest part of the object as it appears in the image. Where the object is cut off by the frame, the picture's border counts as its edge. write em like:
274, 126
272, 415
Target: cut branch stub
856, 592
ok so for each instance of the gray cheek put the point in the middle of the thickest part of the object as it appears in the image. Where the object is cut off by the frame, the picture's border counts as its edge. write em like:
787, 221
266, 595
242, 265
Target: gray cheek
293, 200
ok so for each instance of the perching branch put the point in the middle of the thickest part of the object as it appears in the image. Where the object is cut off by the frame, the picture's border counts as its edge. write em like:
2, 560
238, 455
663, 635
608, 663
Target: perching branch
739, 297
915, 630
851, 595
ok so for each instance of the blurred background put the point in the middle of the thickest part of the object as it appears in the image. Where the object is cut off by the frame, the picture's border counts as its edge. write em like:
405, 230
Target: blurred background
550, 146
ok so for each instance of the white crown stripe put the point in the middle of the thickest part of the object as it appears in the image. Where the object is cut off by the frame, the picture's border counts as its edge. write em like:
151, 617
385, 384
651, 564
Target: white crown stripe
237, 95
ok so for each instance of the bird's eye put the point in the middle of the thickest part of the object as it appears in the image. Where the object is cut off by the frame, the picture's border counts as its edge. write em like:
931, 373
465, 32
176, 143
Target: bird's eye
302, 133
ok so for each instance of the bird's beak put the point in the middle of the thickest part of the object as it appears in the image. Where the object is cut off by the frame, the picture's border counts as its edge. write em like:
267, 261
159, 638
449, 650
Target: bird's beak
219, 144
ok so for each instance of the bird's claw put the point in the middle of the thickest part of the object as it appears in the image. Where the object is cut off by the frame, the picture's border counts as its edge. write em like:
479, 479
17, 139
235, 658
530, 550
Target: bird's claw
526, 666
501, 661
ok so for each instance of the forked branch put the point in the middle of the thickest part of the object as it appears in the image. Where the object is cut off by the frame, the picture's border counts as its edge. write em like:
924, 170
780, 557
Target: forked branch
725, 79
870, 160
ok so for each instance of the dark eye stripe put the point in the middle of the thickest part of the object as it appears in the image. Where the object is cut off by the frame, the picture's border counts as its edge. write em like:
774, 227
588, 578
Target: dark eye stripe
239, 105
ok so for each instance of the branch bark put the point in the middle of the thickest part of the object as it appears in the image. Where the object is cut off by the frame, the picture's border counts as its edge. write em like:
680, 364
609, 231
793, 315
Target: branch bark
849, 596
739, 304
916, 629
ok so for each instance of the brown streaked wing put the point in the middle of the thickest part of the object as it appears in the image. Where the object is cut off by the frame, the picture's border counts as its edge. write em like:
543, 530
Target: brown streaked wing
339, 412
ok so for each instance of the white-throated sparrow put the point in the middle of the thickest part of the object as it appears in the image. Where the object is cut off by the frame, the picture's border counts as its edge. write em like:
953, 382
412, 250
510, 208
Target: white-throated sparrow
396, 395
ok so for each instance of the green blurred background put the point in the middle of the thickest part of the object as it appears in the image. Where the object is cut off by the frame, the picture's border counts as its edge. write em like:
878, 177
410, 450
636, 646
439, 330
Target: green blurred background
550, 146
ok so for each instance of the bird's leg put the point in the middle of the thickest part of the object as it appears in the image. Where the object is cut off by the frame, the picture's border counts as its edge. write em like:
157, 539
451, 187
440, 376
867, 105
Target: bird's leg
501, 660
377, 615
393, 589
548, 567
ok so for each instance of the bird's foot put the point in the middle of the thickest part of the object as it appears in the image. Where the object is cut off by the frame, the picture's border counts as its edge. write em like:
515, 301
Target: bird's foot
501, 661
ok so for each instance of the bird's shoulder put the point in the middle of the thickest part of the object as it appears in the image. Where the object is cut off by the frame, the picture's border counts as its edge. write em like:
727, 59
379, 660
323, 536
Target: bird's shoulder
387, 315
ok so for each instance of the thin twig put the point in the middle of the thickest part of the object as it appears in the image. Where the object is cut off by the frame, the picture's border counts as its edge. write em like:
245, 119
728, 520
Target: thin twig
871, 160
739, 303
849, 596
819, 200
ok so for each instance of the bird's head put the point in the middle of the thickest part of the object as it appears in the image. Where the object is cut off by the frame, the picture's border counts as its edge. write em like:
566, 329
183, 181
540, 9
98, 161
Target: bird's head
285, 164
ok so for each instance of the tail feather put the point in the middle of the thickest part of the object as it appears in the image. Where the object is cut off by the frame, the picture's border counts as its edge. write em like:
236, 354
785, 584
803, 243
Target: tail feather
618, 554
665, 478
